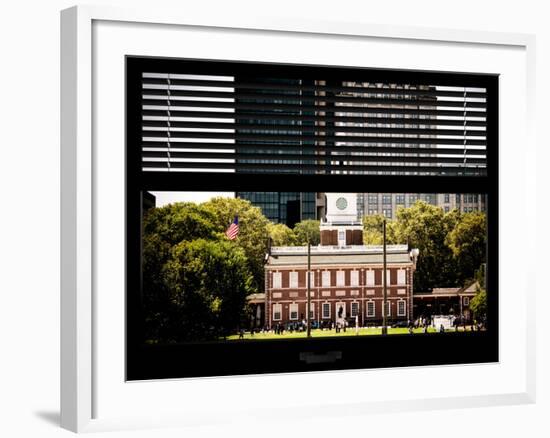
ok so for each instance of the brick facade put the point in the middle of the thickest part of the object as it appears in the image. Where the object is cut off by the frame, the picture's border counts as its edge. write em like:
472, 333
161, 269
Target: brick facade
288, 303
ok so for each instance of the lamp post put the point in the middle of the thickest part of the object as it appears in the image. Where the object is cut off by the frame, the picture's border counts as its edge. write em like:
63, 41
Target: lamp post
308, 312
385, 285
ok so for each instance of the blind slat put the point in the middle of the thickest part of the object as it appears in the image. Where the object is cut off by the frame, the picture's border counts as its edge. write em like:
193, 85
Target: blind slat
238, 121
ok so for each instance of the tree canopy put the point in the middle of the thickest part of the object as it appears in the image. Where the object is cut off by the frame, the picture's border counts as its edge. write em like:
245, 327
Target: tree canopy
281, 235
452, 245
307, 229
183, 245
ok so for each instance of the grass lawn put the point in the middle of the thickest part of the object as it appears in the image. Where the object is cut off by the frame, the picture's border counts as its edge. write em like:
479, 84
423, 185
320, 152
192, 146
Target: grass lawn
317, 333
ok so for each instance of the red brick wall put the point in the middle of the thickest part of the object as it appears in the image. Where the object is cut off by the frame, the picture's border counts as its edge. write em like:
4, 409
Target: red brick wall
299, 295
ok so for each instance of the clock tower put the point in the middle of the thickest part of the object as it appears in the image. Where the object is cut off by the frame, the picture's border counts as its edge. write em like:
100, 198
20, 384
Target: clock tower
341, 226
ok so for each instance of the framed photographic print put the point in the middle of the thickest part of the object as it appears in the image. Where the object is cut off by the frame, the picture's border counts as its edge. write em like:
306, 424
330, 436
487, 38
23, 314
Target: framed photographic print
284, 204
363, 146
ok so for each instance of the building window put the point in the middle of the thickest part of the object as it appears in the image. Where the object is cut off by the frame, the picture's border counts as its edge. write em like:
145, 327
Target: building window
466, 301
401, 278
311, 310
354, 278
446, 209
312, 279
294, 280
370, 309
326, 279
386, 199
447, 198
413, 199
370, 278
400, 199
340, 310
388, 308
341, 238
388, 277
373, 199
354, 311
387, 212
340, 278
372, 211
294, 311
277, 280
277, 312
326, 310
401, 291
430, 199
401, 309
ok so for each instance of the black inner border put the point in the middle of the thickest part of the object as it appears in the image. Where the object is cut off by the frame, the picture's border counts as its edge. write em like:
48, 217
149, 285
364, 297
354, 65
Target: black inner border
145, 362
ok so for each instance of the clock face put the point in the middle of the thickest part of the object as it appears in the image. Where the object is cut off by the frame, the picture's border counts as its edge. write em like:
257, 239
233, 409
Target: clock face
341, 203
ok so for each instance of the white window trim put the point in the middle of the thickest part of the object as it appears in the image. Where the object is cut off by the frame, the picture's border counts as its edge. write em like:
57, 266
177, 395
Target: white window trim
280, 307
354, 278
401, 275
312, 310
351, 309
341, 238
323, 310
290, 311
370, 278
388, 308
404, 308
293, 275
311, 279
324, 277
340, 278
337, 306
279, 283
373, 309
466, 301
388, 277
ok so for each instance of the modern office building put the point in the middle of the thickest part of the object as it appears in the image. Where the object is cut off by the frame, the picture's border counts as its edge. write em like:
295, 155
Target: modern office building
284, 147
284, 207
387, 204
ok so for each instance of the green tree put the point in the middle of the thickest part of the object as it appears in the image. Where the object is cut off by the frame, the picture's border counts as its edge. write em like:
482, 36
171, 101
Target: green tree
182, 244
307, 229
281, 235
478, 304
253, 230
373, 230
425, 227
468, 243
208, 283
180, 221
163, 228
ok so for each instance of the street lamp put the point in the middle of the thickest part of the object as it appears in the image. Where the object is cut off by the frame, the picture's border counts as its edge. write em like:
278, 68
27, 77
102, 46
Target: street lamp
385, 285
308, 312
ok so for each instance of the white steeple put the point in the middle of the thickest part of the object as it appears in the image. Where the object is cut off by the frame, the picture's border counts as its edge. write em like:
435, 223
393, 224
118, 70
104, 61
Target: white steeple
341, 208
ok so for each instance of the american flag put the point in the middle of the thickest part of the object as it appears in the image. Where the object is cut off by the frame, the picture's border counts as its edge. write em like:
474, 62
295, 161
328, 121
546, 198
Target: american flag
233, 229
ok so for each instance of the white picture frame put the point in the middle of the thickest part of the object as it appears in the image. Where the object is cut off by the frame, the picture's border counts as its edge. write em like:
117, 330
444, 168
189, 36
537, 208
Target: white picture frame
82, 368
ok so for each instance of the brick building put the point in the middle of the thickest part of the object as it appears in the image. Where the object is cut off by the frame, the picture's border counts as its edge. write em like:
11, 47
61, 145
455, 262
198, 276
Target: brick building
346, 276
